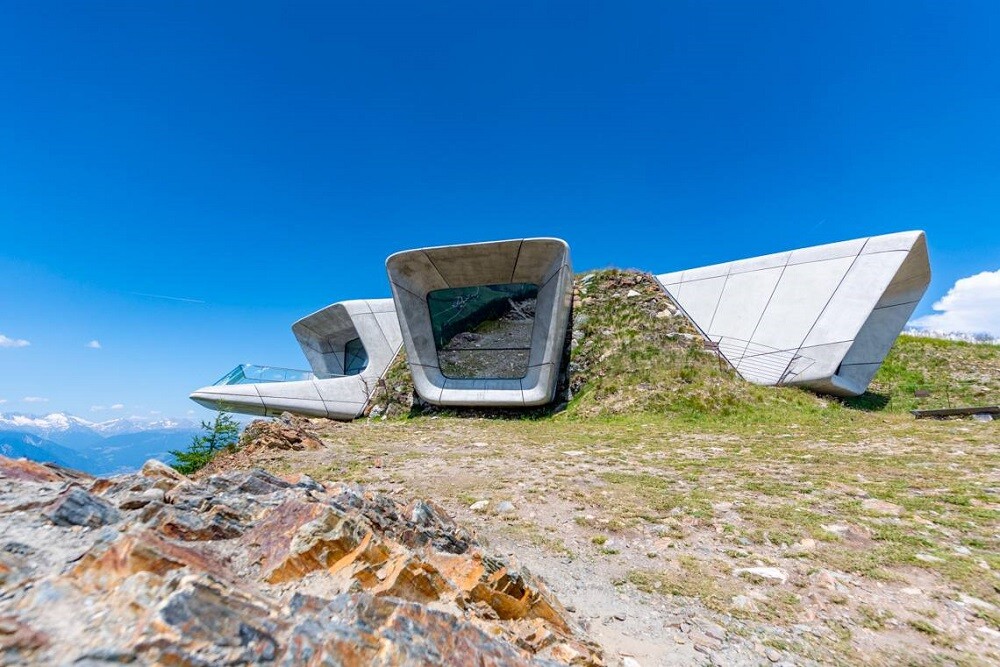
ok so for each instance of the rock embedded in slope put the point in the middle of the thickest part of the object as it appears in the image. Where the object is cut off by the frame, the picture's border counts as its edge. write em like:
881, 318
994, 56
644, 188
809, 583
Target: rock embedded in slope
77, 507
246, 567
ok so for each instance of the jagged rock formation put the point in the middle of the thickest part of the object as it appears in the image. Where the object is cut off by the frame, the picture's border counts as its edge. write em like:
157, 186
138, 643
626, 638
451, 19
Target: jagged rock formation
262, 440
245, 567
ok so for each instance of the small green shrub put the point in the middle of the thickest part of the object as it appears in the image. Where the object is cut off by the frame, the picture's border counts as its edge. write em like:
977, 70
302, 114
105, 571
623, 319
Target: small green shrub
222, 433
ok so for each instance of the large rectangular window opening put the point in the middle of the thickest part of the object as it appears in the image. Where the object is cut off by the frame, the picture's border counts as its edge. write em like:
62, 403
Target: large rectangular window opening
483, 332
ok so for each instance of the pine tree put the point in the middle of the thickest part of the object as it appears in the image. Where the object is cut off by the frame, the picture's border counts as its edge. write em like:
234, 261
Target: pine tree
222, 433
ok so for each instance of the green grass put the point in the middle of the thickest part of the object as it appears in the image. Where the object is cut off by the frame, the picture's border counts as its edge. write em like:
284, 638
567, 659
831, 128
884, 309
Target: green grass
926, 373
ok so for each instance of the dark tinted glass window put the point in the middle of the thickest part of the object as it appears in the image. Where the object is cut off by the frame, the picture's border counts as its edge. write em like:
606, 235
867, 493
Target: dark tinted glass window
355, 357
485, 331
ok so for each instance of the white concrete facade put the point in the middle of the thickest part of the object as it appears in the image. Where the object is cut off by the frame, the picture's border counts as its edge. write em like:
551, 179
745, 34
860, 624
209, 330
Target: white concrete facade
544, 262
822, 317
328, 392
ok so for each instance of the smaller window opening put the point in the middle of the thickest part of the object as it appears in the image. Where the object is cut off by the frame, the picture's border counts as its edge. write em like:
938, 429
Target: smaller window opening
355, 357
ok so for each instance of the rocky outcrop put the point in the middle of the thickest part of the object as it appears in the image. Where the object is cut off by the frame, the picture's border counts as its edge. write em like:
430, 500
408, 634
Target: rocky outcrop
245, 567
262, 440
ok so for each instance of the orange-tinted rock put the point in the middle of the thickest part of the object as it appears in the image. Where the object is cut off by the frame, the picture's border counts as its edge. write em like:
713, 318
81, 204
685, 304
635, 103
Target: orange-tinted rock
175, 571
139, 552
29, 471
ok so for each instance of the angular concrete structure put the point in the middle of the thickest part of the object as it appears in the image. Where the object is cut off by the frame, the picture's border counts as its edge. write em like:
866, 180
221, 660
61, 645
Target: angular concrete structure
349, 346
484, 324
822, 317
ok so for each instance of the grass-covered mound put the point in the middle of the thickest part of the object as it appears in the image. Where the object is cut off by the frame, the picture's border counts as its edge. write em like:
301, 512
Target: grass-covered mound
632, 352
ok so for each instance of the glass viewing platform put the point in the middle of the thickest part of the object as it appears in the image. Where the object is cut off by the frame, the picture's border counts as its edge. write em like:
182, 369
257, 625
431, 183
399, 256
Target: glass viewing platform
252, 374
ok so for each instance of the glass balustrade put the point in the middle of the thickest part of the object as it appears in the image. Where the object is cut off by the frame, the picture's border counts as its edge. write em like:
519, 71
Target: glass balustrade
253, 374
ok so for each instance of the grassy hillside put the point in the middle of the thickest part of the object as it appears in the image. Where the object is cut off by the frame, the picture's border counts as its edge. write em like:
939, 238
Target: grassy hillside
665, 481
638, 354
931, 373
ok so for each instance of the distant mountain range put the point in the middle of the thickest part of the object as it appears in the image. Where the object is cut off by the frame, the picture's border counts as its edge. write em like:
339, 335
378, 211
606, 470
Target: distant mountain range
108, 447
983, 338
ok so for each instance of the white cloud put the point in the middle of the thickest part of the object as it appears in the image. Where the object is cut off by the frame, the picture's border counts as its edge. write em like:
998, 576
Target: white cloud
972, 305
155, 412
13, 342
94, 344
97, 408
35, 399
2, 401
117, 406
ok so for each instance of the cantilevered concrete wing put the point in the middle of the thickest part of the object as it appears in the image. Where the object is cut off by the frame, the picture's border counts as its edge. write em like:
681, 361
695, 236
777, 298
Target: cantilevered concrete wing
349, 346
822, 317
484, 324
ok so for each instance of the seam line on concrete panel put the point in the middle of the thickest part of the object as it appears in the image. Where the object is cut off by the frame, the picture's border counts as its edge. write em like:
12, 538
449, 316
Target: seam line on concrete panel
517, 258
763, 311
437, 368
557, 272
317, 336
718, 301
840, 284
413, 294
896, 305
440, 275
836, 342
863, 363
380, 331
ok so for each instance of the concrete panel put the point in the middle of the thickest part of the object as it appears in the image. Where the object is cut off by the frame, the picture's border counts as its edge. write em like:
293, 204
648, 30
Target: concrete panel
552, 311
349, 388
856, 296
699, 299
298, 390
776, 260
797, 302
905, 241
343, 410
742, 302
875, 338
829, 251
235, 398
669, 279
475, 263
837, 306
416, 273
486, 393
416, 331
538, 261
542, 261
389, 324
274, 406
428, 383
705, 272
539, 384
818, 362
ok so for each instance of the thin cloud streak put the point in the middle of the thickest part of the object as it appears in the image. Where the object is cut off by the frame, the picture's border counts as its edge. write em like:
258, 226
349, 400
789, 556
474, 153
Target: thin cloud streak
168, 298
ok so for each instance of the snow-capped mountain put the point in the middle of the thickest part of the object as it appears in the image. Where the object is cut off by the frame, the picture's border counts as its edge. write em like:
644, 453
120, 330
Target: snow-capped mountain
67, 430
115, 445
124, 425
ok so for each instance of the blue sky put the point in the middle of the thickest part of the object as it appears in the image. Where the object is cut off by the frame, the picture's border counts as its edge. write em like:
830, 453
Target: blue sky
257, 161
